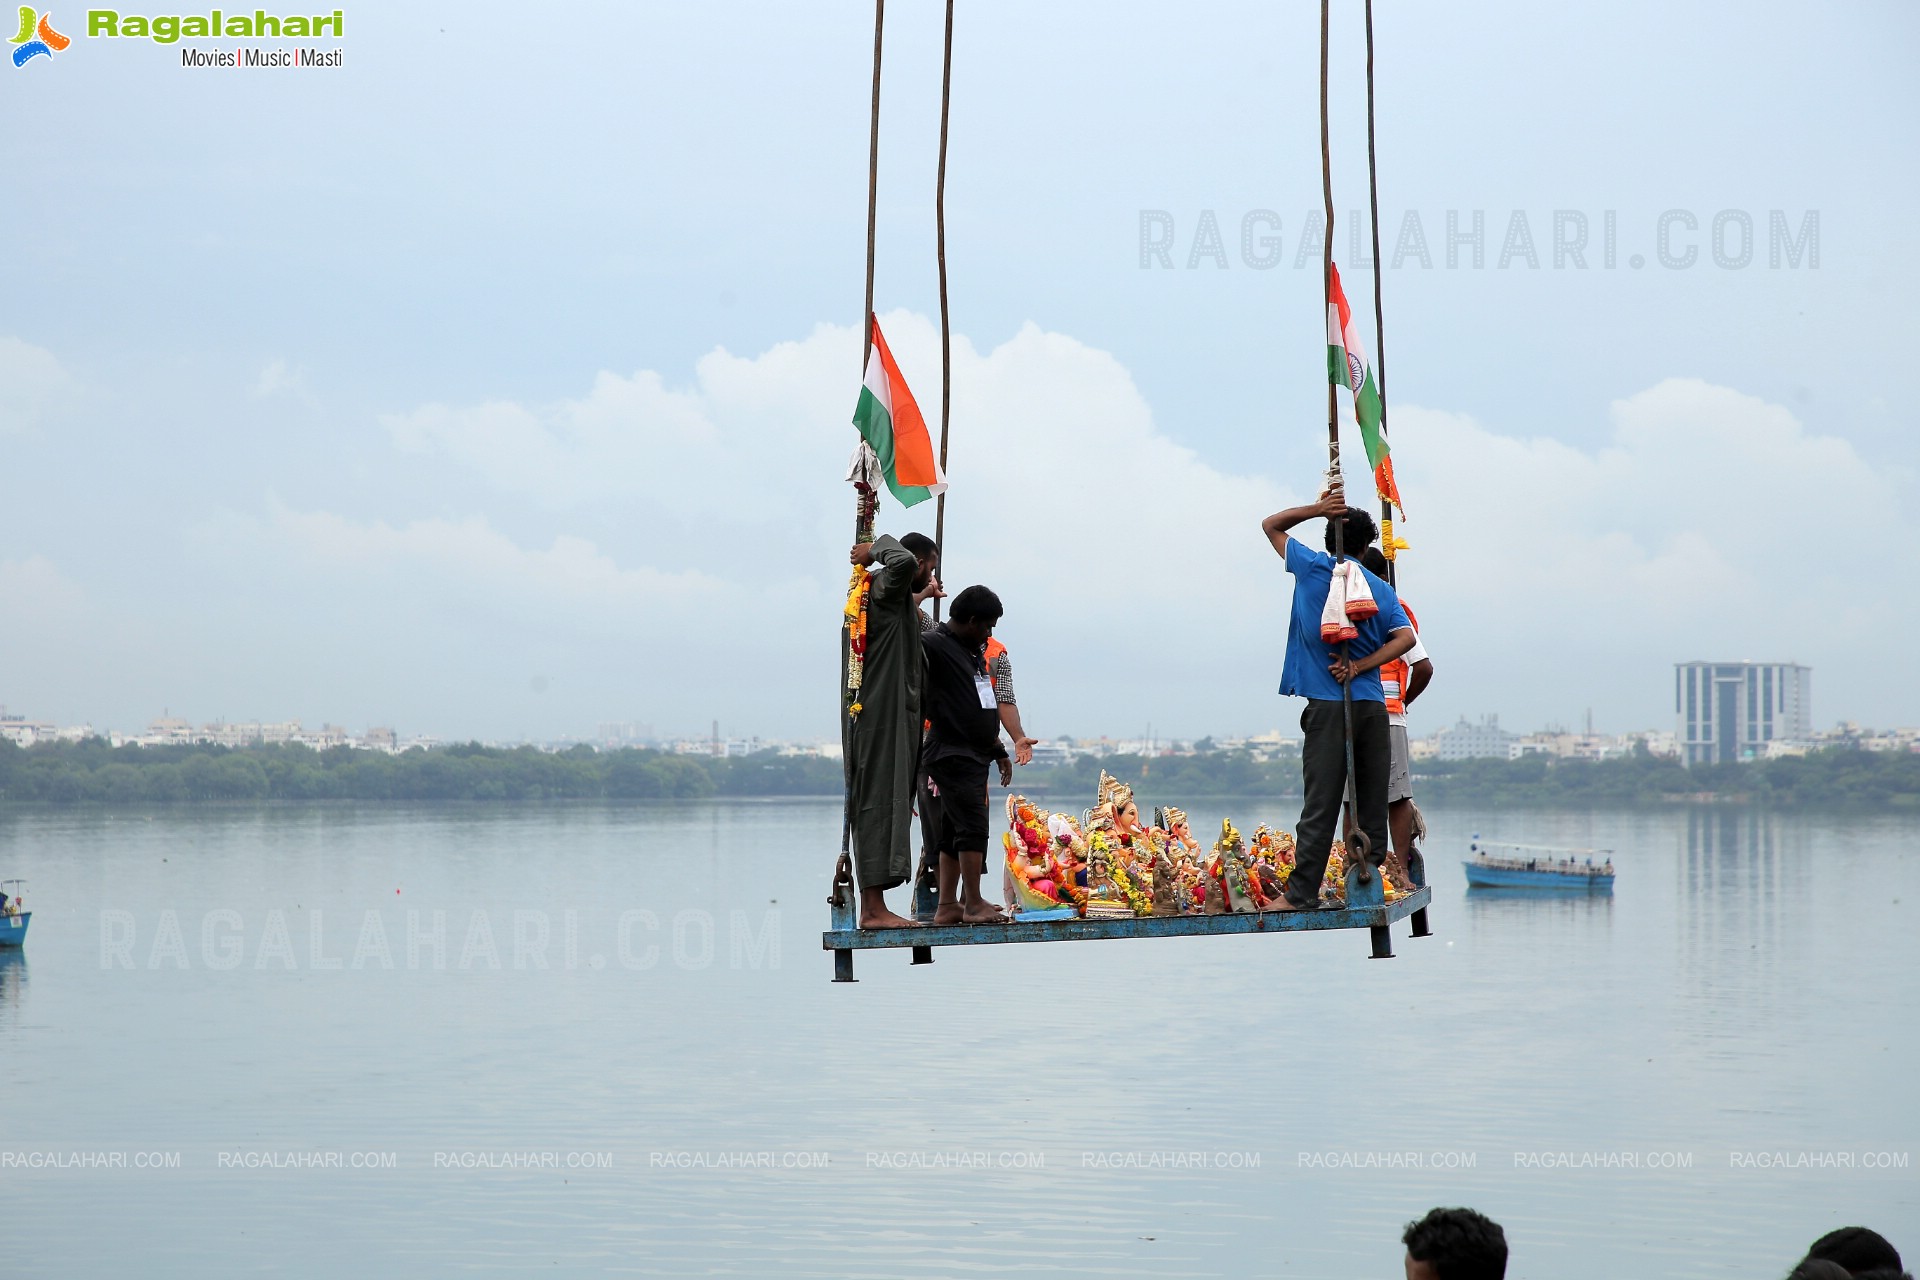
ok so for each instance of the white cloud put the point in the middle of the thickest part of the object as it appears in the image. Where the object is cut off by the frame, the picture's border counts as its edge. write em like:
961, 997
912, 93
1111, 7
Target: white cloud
627, 435
453, 627
36, 595
1712, 525
1106, 539
469, 556
676, 553
277, 378
32, 381
1138, 586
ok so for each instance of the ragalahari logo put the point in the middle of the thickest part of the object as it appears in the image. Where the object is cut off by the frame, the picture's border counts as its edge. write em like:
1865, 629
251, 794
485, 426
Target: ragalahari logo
36, 37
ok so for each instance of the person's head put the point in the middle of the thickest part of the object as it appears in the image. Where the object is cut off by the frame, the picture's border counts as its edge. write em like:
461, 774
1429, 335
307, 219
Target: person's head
926, 553
1360, 531
1819, 1269
1857, 1249
1455, 1244
972, 614
1375, 563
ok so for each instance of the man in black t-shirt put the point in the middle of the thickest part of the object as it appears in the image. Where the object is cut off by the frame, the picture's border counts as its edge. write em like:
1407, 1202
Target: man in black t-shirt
963, 738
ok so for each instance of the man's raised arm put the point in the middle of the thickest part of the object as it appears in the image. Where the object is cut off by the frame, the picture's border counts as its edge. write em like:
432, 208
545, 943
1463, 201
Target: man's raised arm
1333, 502
896, 563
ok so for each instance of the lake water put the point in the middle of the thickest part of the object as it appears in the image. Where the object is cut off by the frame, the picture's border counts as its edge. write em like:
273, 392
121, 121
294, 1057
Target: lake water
233, 1046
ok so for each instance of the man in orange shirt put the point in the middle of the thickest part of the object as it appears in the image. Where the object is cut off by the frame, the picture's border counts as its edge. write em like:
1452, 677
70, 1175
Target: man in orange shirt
1402, 680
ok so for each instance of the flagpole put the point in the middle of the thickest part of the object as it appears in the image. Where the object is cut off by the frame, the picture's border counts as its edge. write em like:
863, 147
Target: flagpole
1379, 312
867, 498
1326, 263
865, 503
1356, 838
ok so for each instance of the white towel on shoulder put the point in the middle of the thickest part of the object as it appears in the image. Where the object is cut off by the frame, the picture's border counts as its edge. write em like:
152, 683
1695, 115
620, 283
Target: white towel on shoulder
1349, 599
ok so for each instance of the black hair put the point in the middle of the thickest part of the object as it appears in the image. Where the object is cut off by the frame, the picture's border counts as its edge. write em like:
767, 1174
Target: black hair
1461, 1244
921, 545
1857, 1249
1819, 1269
1361, 531
1375, 563
975, 602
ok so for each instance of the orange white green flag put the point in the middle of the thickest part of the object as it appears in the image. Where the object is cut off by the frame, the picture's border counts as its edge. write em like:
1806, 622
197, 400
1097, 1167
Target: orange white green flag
1347, 366
891, 424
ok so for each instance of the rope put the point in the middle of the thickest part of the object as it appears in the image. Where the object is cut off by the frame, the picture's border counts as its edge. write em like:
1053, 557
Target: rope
864, 497
1387, 541
873, 182
940, 256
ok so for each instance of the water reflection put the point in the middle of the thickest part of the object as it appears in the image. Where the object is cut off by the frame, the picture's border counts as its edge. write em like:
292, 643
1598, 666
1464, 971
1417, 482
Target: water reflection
13, 982
1581, 901
1545, 921
1734, 943
1737, 855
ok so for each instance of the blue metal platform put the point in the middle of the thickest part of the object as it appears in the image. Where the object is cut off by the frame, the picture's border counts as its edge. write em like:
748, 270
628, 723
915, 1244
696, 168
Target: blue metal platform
1369, 911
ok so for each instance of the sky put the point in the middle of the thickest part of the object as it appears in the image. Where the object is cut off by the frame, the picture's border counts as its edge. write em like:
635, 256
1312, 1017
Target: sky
497, 382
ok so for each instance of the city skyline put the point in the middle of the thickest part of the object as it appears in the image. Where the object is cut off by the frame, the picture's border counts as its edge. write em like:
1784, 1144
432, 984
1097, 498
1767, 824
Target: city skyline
1462, 738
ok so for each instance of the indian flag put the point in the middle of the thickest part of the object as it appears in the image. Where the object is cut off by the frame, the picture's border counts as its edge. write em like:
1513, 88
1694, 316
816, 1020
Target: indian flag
1347, 366
890, 423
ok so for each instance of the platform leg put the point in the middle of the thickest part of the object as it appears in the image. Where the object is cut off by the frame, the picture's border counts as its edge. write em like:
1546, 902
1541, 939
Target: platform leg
842, 918
926, 896
923, 955
1382, 942
1417, 872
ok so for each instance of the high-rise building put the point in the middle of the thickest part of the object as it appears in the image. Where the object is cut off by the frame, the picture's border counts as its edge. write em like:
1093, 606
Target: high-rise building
1729, 711
1483, 741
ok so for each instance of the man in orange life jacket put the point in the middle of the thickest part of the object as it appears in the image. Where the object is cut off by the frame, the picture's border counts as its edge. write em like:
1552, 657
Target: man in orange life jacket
1402, 680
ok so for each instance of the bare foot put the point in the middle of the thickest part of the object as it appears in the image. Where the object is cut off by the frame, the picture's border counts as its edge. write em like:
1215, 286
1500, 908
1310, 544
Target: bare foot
1284, 905
885, 919
948, 913
983, 913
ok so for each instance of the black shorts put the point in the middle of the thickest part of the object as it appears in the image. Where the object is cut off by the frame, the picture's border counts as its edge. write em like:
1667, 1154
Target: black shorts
957, 790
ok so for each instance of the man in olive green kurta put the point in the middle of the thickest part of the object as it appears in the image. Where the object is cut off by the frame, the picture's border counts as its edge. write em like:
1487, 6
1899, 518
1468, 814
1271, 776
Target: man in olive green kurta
882, 744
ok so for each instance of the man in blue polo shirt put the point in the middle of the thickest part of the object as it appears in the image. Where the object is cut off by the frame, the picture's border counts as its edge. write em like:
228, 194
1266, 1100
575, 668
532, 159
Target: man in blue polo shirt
1315, 671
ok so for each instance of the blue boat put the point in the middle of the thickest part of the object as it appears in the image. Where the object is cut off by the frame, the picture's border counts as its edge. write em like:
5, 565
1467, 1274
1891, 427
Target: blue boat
1527, 866
13, 921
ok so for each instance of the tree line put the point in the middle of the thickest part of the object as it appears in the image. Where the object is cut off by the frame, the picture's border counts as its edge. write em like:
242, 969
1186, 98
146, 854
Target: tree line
94, 772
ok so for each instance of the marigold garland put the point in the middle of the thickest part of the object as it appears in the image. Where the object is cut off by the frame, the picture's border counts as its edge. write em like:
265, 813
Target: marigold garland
858, 592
